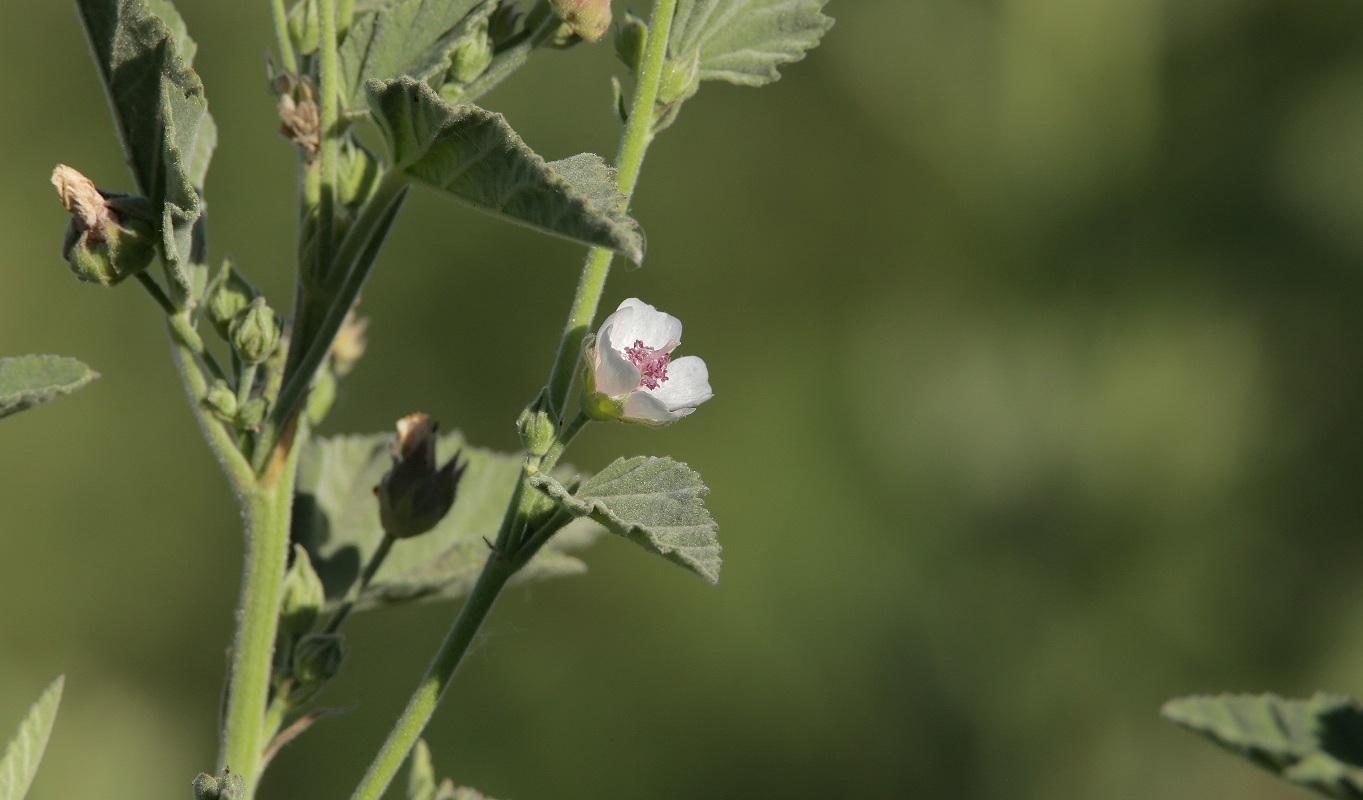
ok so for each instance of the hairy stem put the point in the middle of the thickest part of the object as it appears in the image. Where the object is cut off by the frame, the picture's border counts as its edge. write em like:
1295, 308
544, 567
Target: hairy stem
267, 508
409, 726
281, 31
638, 134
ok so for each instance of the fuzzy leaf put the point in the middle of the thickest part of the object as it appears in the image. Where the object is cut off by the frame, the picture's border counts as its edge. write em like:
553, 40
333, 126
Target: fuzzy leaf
29, 381
743, 41
654, 502
408, 37
1316, 743
161, 116
475, 156
336, 519
25, 750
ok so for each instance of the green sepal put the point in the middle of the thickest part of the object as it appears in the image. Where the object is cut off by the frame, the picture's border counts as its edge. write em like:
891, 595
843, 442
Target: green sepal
475, 156
317, 658
24, 752
28, 381
654, 502
303, 597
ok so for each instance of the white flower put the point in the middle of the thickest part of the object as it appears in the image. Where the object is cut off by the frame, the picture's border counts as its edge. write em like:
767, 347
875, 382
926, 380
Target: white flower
631, 375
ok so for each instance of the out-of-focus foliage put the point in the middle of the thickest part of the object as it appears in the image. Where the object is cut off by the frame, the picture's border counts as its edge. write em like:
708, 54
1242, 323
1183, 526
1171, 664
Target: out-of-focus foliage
1037, 359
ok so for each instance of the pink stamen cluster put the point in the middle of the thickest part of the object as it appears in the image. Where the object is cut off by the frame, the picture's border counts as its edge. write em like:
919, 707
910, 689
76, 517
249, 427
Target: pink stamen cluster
652, 364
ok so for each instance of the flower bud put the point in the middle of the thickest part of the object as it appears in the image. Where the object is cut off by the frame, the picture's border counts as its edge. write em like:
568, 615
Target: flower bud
631, 35
110, 236
228, 293
303, 595
317, 658
471, 58
250, 416
414, 496
589, 19
536, 426
222, 401
680, 79
254, 332
228, 786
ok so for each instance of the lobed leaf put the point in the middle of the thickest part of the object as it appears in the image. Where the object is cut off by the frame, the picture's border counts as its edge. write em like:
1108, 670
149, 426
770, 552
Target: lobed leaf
29, 381
475, 156
743, 41
25, 750
161, 116
415, 38
1316, 743
653, 502
336, 519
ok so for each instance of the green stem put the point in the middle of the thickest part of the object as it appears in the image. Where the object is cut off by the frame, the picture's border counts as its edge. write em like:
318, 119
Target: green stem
181, 327
248, 379
281, 32
329, 92
370, 569
638, 134
495, 574
219, 438
343, 17
267, 509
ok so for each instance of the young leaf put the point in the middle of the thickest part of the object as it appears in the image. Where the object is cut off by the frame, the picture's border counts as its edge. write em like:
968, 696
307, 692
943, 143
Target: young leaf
1316, 743
654, 502
475, 156
421, 777
29, 381
336, 519
743, 41
25, 750
161, 116
409, 37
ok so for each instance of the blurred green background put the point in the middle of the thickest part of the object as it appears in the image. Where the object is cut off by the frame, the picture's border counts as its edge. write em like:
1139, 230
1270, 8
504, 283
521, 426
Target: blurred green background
1035, 336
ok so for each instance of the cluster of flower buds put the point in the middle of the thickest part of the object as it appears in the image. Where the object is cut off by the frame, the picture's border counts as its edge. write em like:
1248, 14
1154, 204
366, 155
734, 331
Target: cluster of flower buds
416, 494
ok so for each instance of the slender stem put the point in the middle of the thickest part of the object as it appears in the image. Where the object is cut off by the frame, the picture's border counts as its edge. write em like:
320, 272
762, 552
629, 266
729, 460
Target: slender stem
267, 507
329, 92
343, 17
353, 596
248, 380
181, 327
495, 574
565, 437
281, 32
638, 134
219, 438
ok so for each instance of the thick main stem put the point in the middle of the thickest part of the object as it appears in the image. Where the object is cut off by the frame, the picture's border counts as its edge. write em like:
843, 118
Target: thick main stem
400, 740
267, 508
638, 134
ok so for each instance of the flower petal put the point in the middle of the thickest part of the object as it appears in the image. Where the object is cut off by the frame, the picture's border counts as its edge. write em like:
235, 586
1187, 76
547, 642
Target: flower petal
613, 373
687, 384
647, 324
642, 407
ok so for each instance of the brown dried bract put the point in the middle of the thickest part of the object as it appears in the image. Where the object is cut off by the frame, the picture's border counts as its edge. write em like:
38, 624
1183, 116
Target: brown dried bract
89, 211
301, 117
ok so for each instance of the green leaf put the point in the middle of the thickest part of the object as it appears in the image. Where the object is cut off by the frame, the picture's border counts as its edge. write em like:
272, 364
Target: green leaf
1316, 743
475, 156
421, 777
161, 116
29, 381
654, 502
743, 41
416, 38
25, 750
336, 519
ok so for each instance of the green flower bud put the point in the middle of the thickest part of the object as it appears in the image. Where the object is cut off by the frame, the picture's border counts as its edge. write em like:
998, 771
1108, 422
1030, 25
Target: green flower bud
305, 26
317, 658
323, 396
471, 58
537, 427
228, 293
680, 79
631, 35
110, 236
504, 21
250, 416
414, 495
228, 786
254, 332
589, 19
303, 595
222, 401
